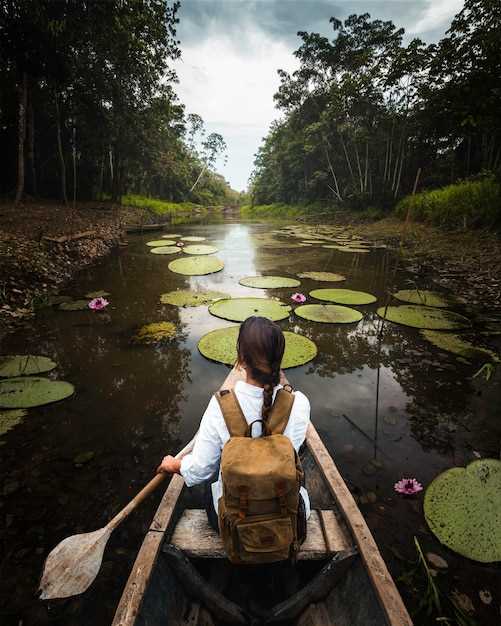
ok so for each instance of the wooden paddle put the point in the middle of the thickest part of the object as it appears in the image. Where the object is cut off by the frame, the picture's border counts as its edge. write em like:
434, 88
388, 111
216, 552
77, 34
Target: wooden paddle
74, 563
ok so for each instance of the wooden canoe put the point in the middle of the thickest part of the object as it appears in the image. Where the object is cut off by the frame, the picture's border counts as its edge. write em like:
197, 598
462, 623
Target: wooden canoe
180, 576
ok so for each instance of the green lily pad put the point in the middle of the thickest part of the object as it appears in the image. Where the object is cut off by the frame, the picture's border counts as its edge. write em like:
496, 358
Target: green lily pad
160, 242
166, 250
25, 392
200, 249
9, 419
450, 342
193, 238
239, 309
424, 297
269, 282
170, 236
84, 457
328, 313
343, 296
74, 305
424, 317
328, 277
24, 365
97, 294
462, 507
221, 345
155, 332
196, 265
184, 297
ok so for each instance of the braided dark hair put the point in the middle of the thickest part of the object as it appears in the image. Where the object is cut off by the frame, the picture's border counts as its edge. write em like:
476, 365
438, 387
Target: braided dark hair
261, 345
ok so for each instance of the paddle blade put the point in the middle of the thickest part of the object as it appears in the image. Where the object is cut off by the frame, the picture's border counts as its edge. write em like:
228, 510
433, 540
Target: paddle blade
73, 564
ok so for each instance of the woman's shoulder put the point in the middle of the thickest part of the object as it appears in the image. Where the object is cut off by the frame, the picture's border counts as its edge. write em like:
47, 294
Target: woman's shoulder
301, 401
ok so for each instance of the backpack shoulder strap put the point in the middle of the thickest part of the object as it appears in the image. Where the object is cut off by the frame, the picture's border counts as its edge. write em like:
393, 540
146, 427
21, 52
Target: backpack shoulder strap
232, 413
280, 411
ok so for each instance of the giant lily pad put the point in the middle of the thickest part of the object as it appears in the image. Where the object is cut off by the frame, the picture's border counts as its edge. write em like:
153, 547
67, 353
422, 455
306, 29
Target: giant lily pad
169, 236
200, 249
221, 345
427, 298
97, 294
463, 509
343, 296
328, 277
193, 238
184, 297
165, 250
25, 392
239, 309
196, 265
269, 282
9, 419
424, 317
156, 332
24, 365
74, 305
328, 313
160, 242
346, 248
459, 345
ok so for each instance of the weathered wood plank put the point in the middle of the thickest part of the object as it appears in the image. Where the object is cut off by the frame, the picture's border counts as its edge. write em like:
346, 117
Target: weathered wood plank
196, 538
385, 588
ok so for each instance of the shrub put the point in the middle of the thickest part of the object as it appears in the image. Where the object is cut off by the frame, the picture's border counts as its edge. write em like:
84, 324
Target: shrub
159, 207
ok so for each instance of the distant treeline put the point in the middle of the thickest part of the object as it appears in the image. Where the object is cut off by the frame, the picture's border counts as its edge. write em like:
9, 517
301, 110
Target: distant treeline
88, 108
366, 118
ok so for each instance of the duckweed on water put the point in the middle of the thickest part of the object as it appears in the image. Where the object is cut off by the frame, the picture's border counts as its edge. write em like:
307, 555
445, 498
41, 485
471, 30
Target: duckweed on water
155, 332
26, 392
424, 297
184, 297
25, 365
343, 296
462, 507
269, 282
221, 345
424, 317
328, 313
239, 309
196, 265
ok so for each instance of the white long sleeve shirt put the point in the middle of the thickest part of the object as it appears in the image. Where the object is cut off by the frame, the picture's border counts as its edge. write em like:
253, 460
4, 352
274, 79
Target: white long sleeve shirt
203, 461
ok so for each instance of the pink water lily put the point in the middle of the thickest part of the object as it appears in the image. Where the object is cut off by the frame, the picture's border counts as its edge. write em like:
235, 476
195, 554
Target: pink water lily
298, 297
98, 304
180, 244
408, 486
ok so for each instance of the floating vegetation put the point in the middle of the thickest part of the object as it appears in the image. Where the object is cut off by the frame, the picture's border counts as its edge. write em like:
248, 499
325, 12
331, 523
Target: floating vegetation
193, 238
269, 282
166, 250
328, 277
97, 294
171, 236
196, 265
98, 304
463, 509
456, 344
200, 249
423, 317
239, 309
26, 392
221, 345
184, 297
156, 332
74, 305
343, 296
424, 297
345, 248
328, 313
9, 419
160, 242
25, 365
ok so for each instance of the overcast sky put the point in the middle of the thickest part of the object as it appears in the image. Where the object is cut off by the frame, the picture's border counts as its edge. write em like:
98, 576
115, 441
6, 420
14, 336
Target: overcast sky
231, 50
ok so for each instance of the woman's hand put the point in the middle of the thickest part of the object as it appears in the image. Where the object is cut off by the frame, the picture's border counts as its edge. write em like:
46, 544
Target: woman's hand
169, 465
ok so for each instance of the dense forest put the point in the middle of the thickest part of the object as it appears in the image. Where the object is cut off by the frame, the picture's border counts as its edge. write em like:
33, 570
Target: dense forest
88, 107
369, 114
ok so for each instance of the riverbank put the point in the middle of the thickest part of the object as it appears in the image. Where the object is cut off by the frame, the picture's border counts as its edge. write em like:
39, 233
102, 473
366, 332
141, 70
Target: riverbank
43, 246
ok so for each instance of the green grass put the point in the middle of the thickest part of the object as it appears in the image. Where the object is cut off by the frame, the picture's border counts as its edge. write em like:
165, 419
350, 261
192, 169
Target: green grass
159, 207
473, 203
282, 211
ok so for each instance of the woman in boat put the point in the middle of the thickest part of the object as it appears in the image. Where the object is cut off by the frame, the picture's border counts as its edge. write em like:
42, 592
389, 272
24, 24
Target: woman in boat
255, 379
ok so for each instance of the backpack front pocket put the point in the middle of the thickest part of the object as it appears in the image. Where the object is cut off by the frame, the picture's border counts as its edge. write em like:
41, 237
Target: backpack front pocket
267, 539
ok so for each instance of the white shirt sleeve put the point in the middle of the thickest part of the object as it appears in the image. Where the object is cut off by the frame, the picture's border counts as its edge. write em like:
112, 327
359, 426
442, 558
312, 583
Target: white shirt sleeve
203, 461
299, 420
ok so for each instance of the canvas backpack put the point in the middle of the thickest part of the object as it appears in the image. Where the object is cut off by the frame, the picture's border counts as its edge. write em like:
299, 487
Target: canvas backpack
261, 476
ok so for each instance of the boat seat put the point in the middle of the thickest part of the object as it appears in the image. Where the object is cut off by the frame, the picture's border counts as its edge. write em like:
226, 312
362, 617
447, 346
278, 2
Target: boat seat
326, 535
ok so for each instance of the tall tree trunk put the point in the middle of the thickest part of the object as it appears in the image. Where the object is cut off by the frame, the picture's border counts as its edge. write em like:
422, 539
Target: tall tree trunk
199, 177
334, 177
387, 152
348, 161
397, 185
366, 164
359, 169
112, 169
101, 180
62, 164
23, 98
74, 156
31, 144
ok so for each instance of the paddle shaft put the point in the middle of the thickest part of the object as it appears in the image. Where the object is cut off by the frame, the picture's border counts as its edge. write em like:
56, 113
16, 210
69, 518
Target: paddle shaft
146, 490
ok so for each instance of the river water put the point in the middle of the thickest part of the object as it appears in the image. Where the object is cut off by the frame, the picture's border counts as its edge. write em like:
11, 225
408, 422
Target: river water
407, 409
